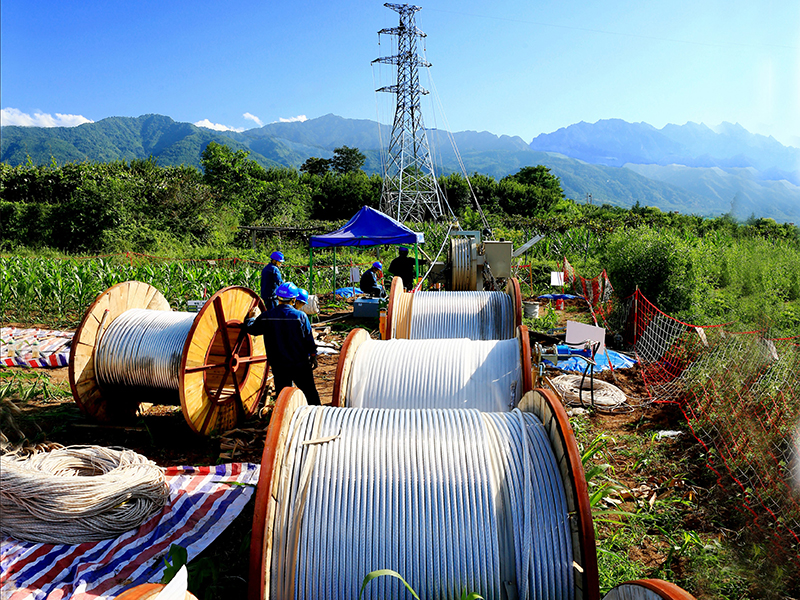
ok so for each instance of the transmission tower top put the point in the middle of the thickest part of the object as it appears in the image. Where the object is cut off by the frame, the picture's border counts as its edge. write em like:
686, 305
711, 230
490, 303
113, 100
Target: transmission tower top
410, 191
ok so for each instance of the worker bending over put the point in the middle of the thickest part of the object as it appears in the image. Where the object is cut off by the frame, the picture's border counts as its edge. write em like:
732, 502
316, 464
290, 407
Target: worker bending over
291, 350
404, 267
301, 300
369, 281
271, 278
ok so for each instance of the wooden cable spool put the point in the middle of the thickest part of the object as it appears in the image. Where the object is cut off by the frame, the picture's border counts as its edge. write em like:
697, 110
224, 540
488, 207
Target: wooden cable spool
399, 312
223, 370
540, 402
148, 591
358, 336
546, 406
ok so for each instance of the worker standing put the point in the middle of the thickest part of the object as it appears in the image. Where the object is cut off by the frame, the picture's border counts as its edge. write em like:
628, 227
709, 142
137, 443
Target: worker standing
271, 278
291, 350
404, 267
369, 281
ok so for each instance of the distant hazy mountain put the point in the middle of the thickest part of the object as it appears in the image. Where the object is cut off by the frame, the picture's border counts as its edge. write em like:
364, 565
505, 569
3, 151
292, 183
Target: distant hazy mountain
688, 168
615, 143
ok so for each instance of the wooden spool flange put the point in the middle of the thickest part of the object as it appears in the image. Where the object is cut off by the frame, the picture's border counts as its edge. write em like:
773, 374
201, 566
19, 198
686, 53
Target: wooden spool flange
546, 405
346, 355
223, 370
513, 290
525, 358
289, 400
148, 591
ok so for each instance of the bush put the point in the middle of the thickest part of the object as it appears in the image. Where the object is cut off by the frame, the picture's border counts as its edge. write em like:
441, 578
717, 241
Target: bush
658, 263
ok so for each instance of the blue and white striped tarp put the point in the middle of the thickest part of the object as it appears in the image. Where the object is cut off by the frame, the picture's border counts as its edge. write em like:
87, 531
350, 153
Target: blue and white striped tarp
203, 502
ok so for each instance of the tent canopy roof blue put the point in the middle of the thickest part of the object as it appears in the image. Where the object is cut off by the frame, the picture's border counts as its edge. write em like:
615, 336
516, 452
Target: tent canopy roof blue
368, 227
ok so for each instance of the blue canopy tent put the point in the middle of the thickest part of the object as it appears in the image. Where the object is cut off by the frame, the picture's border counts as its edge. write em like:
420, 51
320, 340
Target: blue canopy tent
369, 227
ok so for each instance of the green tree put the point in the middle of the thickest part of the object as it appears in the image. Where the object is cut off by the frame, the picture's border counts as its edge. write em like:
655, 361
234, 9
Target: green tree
340, 196
347, 160
455, 188
316, 166
530, 191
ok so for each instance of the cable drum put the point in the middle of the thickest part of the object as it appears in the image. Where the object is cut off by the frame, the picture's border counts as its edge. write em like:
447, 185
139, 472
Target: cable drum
473, 315
131, 346
143, 348
453, 373
461, 263
448, 498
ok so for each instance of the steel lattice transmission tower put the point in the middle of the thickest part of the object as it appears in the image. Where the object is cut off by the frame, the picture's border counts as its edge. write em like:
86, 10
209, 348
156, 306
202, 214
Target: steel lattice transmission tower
410, 191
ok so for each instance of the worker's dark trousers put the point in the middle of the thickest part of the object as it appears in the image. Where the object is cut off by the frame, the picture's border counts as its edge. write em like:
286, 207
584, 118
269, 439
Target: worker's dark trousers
303, 378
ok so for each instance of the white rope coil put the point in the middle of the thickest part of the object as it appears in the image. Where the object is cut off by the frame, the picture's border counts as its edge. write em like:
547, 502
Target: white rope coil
472, 315
606, 395
455, 373
448, 498
78, 494
143, 348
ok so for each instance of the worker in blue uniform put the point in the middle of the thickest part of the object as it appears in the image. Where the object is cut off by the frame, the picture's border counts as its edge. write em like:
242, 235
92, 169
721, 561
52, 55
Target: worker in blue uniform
301, 300
369, 281
271, 278
291, 350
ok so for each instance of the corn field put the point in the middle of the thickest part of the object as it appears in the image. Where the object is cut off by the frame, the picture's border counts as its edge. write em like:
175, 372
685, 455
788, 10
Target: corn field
57, 292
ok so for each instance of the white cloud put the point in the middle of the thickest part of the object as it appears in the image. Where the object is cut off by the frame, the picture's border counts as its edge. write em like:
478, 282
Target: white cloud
14, 116
258, 122
216, 126
297, 119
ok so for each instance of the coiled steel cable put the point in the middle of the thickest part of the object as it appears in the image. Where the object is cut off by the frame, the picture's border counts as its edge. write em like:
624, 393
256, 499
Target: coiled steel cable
78, 494
143, 348
461, 262
454, 373
448, 498
473, 315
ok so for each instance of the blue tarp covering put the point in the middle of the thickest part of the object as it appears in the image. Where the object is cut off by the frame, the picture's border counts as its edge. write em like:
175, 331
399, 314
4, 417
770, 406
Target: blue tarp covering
620, 361
368, 227
348, 292
559, 296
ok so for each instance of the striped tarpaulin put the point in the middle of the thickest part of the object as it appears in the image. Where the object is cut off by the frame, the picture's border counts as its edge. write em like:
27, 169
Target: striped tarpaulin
34, 347
203, 502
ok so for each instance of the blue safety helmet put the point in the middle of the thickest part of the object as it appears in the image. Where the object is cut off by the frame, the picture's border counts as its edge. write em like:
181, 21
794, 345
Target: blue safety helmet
287, 291
403, 250
377, 265
302, 296
277, 255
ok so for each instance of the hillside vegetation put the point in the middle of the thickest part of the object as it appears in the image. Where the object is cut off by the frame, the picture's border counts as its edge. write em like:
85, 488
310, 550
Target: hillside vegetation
702, 270
688, 168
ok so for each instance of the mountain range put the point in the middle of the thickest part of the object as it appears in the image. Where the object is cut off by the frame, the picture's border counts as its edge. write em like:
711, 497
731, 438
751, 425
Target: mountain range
688, 168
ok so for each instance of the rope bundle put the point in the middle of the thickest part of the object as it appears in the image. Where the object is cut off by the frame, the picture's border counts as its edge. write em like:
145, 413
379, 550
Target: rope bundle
78, 494
448, 498
606, 395
143, 348
486, 375
473, 315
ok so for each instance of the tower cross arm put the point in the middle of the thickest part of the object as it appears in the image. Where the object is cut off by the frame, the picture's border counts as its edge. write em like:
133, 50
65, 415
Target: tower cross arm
402, 59
394, 89
402, 8
403, 31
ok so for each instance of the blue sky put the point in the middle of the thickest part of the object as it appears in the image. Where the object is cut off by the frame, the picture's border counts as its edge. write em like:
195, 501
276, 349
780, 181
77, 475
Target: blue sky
508, 67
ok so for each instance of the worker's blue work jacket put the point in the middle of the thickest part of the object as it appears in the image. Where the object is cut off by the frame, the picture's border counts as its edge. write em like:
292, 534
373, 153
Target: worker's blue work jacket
271, 278
287, 336
369, 284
